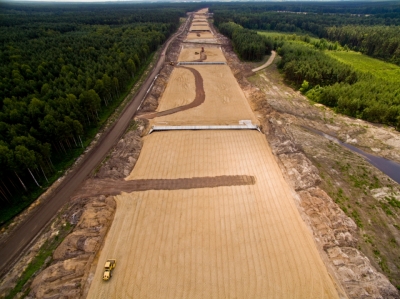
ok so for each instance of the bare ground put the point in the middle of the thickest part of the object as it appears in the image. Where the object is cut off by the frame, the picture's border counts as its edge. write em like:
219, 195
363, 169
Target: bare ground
245, 241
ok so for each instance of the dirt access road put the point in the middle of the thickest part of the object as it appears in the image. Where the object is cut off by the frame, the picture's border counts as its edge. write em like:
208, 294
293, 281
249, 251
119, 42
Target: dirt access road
270, 60
12, 247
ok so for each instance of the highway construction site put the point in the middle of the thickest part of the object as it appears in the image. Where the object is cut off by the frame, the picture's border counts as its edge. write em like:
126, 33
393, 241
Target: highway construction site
198, 199
236, 240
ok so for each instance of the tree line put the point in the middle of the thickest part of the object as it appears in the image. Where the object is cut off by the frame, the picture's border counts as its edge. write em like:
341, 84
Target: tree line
61, 68
325, 80
247, 43
370, 28
380, 42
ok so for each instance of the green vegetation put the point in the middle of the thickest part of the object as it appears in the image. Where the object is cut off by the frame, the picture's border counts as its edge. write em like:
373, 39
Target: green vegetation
348, 182
300, 62
371, 28
247, 43
64, 69
369, 90
381, 42
362, 63
42, 258
351, 83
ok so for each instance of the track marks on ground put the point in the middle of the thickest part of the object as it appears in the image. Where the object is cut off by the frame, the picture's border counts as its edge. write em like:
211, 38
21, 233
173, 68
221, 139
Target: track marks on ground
225, 242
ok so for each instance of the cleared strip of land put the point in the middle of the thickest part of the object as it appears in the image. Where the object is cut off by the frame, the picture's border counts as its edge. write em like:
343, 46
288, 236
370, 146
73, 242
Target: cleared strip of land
224, 242
212, 54
197, 101
225, 102
200, 35
204, 27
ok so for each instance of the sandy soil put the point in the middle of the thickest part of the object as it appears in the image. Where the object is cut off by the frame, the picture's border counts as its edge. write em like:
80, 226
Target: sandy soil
197, 101
225, 102
203, 35
181, 87
212, 54
202, 11
200, 16
203, 27
224, 242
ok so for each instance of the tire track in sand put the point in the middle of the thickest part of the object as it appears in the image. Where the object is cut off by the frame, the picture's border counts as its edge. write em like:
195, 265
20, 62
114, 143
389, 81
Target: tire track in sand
198, 100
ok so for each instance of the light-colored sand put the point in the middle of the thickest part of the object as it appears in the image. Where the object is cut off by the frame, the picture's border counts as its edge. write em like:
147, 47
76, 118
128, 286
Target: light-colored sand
225, 242
204, 27
202, 11
225, 102
181, 88
203, 35
213, 54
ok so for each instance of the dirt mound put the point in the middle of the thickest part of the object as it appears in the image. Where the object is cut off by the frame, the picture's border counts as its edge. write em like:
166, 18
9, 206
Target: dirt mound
73, 258
124, 155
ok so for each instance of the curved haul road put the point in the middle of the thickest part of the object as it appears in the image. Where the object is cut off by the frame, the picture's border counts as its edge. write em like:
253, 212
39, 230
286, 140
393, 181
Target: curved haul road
18, 241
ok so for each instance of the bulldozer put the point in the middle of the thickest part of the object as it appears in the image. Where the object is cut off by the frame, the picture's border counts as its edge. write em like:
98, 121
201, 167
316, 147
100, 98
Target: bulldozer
108, 267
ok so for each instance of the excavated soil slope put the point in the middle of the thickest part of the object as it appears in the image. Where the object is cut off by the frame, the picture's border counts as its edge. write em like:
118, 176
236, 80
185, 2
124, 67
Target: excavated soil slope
224, 242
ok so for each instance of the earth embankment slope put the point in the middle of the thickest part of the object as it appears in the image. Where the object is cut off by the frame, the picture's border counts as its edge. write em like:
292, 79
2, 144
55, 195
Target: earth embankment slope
242, 241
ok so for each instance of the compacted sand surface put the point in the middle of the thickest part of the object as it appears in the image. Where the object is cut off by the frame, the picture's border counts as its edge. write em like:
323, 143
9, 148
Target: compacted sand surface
203, 35
226, 242
239, 237
225, 102
212, 54
198, 27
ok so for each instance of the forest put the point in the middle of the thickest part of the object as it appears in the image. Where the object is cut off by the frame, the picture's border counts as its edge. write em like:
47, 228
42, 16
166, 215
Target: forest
326, 80
63, 69
371, 28
318, 29
247, 43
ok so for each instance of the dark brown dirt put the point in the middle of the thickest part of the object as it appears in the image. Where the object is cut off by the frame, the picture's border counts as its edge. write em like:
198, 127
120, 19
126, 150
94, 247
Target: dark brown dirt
96, 187
198, 100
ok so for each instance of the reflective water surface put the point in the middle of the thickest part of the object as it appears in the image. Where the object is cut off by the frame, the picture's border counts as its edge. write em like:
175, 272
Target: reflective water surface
389, 167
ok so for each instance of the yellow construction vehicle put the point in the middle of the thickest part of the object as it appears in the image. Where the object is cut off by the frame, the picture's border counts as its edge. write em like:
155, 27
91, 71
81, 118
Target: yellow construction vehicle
108, 267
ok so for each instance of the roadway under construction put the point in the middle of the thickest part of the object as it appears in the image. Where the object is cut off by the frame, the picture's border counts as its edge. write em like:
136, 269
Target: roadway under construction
230, 227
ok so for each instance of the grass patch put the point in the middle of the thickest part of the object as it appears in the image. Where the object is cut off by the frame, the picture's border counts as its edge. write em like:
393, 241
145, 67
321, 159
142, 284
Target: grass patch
357, 219
385, 207
381, 261
393, 202
286, 35
39, 261
377, 68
